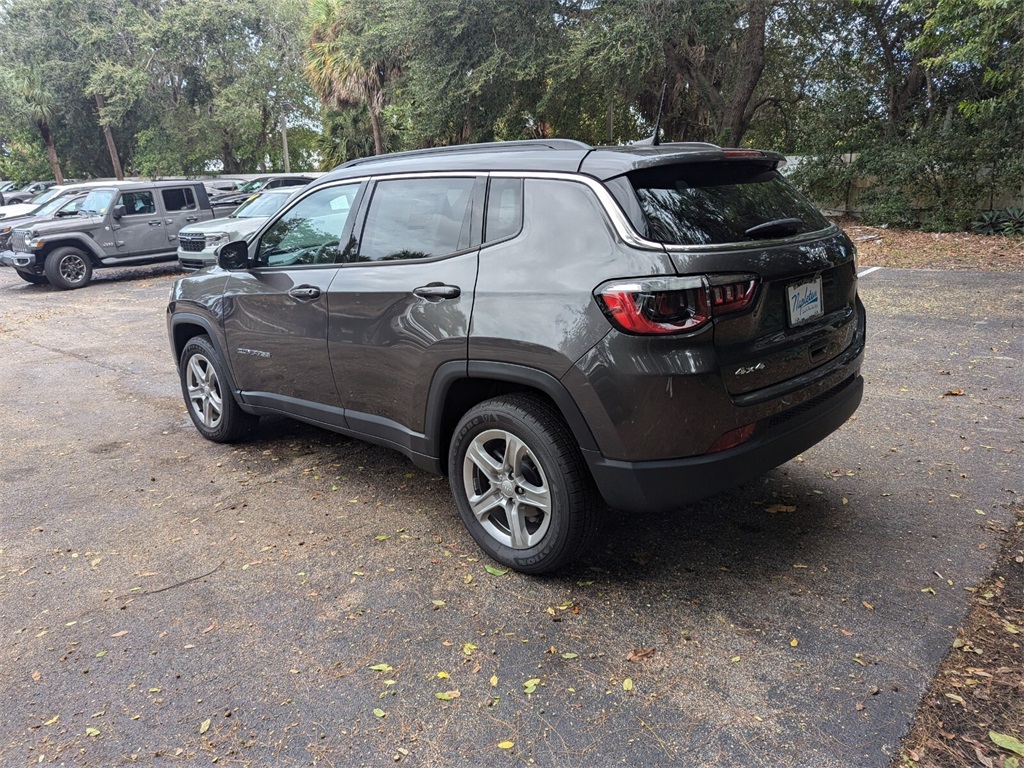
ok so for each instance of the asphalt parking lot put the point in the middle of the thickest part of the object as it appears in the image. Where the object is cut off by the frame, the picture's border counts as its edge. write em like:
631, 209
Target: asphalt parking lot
304, 599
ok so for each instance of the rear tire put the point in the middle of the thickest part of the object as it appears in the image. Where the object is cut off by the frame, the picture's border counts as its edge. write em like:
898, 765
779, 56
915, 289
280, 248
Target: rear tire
208, 397
521, 485
68, 268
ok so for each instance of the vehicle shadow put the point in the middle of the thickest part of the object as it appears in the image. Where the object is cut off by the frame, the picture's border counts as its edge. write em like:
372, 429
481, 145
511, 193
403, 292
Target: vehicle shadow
789, 521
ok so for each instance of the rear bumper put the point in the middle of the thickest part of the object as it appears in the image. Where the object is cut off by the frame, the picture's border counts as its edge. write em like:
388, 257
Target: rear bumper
660, 486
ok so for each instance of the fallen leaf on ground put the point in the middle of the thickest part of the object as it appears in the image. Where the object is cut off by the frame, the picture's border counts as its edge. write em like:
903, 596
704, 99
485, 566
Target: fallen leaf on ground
639, 654
447, 695
204, 726
505, 745
776, 508
1007, 742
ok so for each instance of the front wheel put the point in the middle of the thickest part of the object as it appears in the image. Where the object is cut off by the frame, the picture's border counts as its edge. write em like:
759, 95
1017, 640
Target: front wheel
521, 485
68, 268
209, 399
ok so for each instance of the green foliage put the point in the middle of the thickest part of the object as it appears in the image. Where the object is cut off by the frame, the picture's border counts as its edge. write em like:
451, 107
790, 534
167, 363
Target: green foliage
1009, 221
23, 160
347, 135
912, 112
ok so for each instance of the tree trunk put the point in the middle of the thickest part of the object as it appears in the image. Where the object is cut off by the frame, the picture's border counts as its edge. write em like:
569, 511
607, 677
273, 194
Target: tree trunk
51, 150
752, 55
109, 136
378, 136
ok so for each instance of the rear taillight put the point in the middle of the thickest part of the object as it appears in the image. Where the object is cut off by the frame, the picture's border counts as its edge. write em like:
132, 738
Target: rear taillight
665, 305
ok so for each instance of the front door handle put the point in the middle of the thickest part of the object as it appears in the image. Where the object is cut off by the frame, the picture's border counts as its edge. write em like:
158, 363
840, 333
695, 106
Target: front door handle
438, 291
305, 293
154, 223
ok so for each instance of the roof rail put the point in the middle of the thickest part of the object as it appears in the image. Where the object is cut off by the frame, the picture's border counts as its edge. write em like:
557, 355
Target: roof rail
488, 146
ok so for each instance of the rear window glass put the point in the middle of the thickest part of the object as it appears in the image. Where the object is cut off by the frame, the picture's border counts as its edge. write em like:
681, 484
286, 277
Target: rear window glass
712, 203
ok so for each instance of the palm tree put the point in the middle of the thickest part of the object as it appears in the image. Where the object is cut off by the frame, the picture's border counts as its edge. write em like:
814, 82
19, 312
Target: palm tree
347, 67
40, 107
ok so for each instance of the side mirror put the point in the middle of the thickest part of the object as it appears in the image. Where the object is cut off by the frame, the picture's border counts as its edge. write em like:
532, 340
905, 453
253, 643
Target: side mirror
233, 255
118, 211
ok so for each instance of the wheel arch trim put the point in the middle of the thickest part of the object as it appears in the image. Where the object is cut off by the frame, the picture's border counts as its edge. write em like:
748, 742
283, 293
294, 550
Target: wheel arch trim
176, 326
84, 244
449, 373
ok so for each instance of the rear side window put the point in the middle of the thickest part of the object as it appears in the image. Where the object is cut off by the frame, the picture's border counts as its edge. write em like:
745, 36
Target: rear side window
504, 209
721, 202
417, 219
178, 199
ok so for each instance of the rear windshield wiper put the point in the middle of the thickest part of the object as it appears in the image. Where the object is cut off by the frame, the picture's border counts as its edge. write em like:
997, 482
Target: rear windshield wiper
777, 227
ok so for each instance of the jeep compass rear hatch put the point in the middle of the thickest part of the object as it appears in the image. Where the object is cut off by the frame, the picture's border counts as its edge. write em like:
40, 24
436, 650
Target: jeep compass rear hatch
780, 280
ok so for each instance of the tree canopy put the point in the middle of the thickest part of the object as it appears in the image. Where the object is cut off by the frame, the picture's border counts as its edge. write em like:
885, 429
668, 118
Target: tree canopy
924, 97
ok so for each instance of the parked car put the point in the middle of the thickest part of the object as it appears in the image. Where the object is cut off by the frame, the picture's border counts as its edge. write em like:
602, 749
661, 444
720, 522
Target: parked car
547, 323
119, 224
58, 208
260, 183
8, 186
50, 193
197, 243
27, 192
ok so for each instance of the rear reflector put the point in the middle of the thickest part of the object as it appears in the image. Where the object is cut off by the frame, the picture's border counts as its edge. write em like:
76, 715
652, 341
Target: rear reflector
732, 438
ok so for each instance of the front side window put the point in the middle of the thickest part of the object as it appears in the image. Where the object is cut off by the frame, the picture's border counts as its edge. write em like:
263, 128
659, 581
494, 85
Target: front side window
310, 233
417, 219
138, 203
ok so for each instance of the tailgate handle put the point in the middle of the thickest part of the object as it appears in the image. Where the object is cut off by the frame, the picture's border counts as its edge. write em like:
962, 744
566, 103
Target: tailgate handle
438, 291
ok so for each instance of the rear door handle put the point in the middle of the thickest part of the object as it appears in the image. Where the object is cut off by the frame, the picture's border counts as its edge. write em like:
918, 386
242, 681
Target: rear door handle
438, 291
305, 293
154, 223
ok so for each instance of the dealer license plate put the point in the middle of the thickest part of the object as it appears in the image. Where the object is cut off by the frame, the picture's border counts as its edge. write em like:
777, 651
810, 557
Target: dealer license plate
804, 301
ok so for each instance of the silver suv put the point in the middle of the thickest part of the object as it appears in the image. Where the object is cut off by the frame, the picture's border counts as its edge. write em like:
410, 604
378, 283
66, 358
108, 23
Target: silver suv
549, 324
198, 243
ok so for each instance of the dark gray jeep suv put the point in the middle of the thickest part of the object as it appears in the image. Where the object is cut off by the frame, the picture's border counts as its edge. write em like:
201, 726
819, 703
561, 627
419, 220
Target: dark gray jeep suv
546, 322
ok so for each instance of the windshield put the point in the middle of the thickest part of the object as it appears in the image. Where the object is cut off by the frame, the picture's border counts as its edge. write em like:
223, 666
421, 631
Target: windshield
266, 204
251, 186
714, 203
54, 205
46, 196
96, 202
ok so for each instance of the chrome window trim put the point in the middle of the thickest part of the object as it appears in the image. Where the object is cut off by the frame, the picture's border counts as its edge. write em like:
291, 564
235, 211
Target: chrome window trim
623, 227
